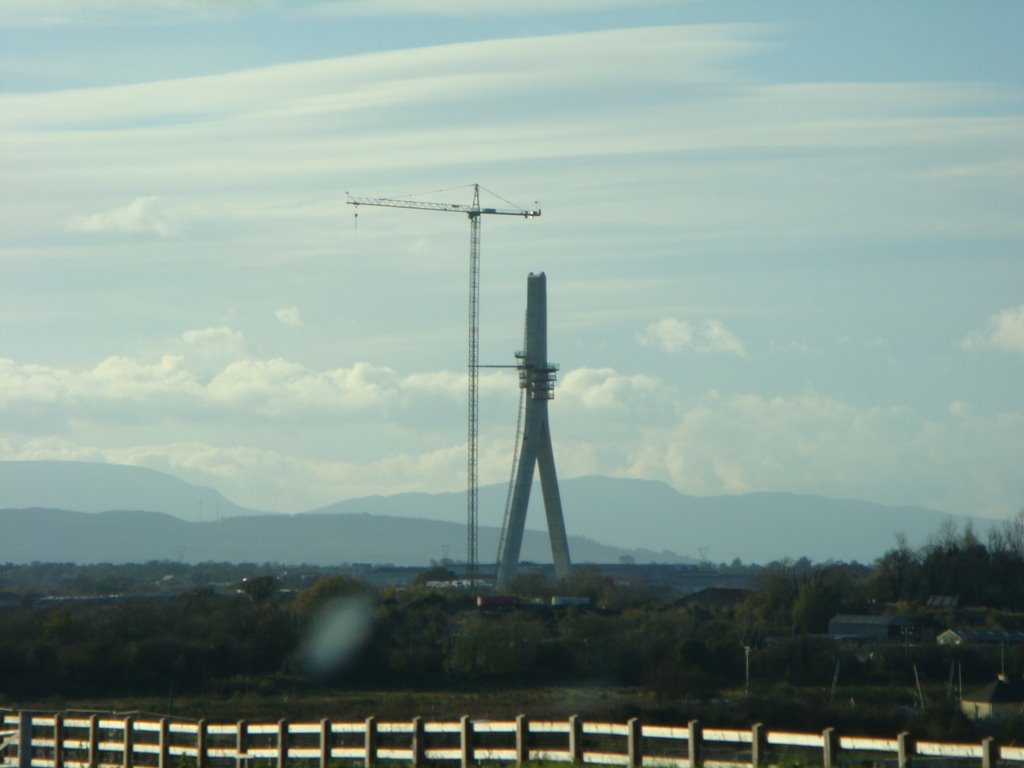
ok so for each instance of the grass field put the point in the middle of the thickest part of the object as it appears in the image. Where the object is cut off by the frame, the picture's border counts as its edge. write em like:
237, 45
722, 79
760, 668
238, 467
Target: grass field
613, 704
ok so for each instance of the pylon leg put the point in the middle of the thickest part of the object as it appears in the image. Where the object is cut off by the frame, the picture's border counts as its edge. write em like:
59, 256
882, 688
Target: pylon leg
553, 502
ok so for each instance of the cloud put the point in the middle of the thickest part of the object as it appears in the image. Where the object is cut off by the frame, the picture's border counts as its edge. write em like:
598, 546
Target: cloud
143, 215
709, 443
271, 432
289, 316
1004, 331
251, 160
462, 8
607, 390
814, 443
245, 140
222, 342
795, 347
710, 337
209, 374
268, 478
132, 12
54, 13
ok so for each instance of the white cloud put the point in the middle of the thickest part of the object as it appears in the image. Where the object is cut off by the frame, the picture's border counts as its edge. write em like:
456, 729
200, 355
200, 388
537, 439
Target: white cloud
710, 337
50, 448
131, 12
813, 443
796, 347
1004, 331
605, 389
265, 478
209, 374
365, 429
668, 334
709, 444
641, 140
222, 343
289, 316
716, 339
50, 13
463, 8
143, 215
245, 140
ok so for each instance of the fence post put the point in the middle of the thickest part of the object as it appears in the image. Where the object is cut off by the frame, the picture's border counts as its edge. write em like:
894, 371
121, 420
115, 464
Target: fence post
830, 748
129, 738
24, 740
241, 744
466, 740
282, 743
325, 742
163, 745
522, 740
904, 750
201, 744
693, 743
633, 734
94, 741
989, 752
575, 740
758, 745
370, 742
419, 742
58, 741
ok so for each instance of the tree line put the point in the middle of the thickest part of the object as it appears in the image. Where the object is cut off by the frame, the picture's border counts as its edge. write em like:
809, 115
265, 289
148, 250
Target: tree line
766, 650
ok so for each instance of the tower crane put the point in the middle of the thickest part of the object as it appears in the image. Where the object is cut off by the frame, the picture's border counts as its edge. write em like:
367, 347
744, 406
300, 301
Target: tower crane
473, 211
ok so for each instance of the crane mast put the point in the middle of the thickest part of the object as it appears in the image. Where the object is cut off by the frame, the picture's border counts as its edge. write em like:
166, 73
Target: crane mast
474, 212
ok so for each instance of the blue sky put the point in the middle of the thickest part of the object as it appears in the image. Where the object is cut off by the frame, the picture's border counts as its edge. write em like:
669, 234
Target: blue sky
783, 242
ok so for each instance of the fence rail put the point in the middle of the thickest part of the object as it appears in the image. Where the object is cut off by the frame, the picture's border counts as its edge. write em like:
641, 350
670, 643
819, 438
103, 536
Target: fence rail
47, 740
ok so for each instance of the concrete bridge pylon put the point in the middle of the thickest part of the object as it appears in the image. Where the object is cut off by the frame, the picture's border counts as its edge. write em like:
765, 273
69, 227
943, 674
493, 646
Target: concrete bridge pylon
533, 444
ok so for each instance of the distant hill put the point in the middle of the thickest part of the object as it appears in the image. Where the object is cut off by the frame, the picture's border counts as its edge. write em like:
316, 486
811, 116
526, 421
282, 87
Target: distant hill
644, 519
755, 527
54, 535
86, 486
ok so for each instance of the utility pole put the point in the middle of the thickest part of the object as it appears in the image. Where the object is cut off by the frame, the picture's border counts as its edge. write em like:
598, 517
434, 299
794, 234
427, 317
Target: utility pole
746, 653
473, 211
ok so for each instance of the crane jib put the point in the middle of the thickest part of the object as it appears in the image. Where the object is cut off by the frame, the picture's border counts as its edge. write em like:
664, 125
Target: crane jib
472, 211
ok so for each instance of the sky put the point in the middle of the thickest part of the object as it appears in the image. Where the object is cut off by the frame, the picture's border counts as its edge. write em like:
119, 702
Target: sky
783, 242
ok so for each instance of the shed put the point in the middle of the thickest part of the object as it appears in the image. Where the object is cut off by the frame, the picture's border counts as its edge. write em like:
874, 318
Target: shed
1003, 698
977, 636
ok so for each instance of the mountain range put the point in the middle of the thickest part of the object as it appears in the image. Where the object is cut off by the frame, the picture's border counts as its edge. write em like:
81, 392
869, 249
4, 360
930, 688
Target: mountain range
92, 512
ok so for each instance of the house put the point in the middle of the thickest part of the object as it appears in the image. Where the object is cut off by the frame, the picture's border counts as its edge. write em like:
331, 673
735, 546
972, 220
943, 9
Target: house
955, 637
1003, 698
853, 627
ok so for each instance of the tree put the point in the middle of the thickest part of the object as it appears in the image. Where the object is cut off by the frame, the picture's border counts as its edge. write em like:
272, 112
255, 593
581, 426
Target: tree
896, 571
818, 601
770, 608
488, 646
326, 589
259, 589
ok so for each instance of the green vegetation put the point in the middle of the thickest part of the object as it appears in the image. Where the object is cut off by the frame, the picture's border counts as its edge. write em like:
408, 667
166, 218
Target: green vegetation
236, 641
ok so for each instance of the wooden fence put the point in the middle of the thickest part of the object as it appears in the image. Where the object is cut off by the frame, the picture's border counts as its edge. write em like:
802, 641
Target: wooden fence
69, 740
